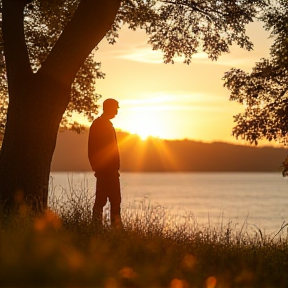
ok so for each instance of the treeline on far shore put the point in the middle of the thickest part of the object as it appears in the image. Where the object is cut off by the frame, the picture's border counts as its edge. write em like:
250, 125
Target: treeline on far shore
156, 154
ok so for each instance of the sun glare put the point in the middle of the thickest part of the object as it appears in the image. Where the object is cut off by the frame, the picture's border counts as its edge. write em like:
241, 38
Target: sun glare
143, 135
146, 125
144, 132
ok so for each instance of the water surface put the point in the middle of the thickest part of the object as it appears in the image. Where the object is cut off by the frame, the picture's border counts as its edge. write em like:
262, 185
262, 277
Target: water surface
258, 199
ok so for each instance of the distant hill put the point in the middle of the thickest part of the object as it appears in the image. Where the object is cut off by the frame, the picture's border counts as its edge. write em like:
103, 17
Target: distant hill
169, 155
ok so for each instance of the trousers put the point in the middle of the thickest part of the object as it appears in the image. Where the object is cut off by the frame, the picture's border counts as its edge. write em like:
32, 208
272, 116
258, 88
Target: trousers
108, 188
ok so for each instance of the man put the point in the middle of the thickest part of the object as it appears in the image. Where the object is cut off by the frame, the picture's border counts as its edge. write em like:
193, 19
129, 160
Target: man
104, 158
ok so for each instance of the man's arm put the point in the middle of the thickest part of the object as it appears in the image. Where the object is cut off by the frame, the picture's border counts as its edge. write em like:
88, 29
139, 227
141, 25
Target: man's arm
93, 141
98, 146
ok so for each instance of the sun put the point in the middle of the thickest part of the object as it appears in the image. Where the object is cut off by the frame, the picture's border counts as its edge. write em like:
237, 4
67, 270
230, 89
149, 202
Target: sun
146, 126
145, 129
143, 135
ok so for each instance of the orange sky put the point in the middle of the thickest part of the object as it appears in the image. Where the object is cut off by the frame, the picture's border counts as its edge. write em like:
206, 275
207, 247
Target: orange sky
173, 101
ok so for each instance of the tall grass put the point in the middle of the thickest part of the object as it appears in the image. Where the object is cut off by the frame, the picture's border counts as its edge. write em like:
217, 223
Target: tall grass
154, 249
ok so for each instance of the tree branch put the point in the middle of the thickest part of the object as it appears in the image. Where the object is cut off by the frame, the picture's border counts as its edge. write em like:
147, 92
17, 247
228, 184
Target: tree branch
15, 49
89, 24
193, 6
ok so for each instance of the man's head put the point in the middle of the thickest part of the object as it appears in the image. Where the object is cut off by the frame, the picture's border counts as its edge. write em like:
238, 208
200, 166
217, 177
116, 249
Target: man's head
110, 108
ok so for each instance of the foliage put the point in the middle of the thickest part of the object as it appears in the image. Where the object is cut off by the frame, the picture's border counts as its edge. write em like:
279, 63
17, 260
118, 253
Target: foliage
186, 27
263, 92
177, 27
44, 22
62, 248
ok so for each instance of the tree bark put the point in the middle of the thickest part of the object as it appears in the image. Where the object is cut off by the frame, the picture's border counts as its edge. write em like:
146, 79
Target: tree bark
29, 142
38, 101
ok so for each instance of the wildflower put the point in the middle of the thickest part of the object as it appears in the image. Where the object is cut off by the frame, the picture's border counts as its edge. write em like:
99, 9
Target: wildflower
211, 282
179, 283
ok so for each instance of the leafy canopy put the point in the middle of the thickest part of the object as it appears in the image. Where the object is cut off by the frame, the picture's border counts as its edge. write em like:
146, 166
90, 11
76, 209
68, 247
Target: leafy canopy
177, 27
264, 91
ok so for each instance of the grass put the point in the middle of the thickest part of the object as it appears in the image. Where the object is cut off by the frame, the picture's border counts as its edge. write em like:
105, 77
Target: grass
154, 249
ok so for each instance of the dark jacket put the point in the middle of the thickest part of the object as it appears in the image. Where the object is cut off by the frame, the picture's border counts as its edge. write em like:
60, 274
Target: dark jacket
103, 149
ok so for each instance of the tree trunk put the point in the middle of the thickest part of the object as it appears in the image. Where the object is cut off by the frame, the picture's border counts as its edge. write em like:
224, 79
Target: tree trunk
29, 143
38, 101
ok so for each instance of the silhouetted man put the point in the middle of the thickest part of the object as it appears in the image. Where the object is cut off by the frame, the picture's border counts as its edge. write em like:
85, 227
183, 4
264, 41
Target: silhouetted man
104, 159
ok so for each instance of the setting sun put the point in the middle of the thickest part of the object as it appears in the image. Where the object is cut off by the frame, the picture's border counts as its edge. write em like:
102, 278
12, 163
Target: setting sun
146, 125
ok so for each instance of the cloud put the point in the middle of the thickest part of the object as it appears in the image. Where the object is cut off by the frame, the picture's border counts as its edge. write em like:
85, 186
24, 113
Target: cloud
147, 55
177, 100
143, 53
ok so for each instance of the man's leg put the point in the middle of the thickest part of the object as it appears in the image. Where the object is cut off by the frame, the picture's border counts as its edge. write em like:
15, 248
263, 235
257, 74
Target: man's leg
100, 201
115, 201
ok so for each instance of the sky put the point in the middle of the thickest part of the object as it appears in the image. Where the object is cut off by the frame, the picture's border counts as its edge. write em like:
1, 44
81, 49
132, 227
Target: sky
173, 101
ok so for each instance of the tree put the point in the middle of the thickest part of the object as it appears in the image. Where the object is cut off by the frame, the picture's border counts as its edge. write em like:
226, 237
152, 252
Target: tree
39, 44
264, 91
37, 101
44, 52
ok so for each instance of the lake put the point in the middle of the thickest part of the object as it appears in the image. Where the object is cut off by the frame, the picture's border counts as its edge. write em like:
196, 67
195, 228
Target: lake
260, 200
